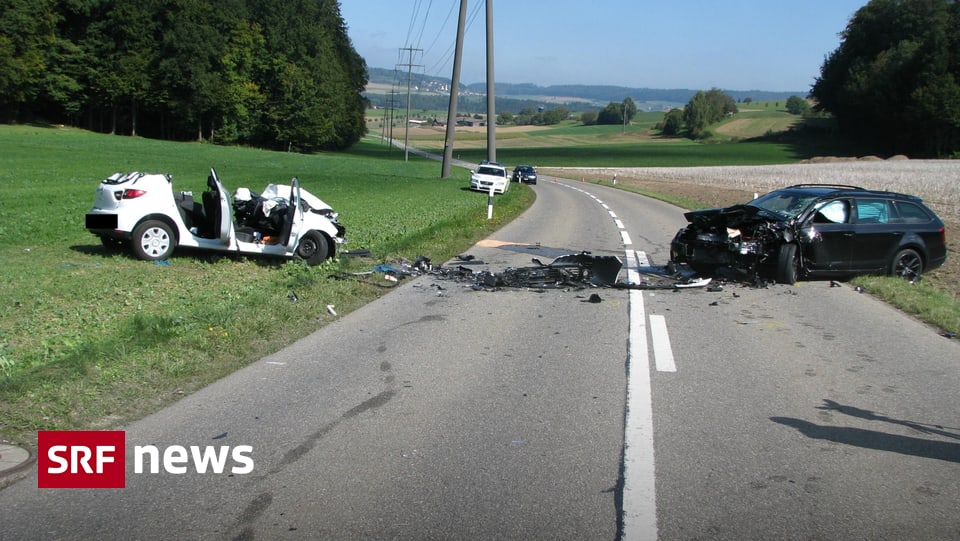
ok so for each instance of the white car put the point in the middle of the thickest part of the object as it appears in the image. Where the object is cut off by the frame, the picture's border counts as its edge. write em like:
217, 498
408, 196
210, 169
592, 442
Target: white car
487, 175
142, 210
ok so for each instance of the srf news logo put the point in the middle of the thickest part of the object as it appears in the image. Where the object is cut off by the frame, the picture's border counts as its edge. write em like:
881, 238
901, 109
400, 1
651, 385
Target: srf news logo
97, 459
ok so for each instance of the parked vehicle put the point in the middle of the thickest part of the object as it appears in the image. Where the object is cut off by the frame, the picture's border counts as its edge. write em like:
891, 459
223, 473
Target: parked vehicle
142, 211
526, 174
487, 175
814, 230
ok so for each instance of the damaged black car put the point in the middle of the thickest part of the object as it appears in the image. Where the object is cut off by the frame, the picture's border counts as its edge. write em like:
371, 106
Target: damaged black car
815, 231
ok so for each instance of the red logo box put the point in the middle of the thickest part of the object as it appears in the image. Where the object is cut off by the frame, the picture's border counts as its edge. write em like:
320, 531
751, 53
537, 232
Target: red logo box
81, 459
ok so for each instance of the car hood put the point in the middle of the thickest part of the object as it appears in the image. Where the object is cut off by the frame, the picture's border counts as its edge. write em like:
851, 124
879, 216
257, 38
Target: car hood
730, 216
283, 191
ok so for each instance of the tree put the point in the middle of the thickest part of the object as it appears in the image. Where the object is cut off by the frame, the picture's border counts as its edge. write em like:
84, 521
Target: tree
588, 118
672, 122
618, 113
797, 105
893, 81
706, 108
27, 31
629, 109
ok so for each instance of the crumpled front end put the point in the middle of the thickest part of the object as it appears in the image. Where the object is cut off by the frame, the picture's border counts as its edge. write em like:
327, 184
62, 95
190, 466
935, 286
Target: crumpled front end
737, 237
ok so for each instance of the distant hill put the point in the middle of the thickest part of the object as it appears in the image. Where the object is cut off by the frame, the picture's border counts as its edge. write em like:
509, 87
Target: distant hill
574, 97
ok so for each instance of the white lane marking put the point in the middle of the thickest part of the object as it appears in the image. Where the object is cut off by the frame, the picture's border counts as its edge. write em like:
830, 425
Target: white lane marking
642, 260
604, 205
613, 215
619, 224
662, 352
639, 474
625, 237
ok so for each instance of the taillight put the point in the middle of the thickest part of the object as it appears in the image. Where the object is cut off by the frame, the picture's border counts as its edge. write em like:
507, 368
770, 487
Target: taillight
943, 234
132, 194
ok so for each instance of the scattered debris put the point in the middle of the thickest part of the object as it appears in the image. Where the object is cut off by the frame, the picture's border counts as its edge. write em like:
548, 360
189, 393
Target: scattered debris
570, 271
356, 253
331, 310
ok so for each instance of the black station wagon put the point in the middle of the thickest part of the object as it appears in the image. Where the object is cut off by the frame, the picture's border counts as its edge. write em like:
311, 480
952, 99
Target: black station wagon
815, 230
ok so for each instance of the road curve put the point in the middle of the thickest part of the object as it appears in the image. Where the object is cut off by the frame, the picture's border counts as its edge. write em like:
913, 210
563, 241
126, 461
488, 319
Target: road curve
441, 412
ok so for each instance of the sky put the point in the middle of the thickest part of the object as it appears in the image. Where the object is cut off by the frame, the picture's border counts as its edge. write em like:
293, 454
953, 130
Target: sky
771, 45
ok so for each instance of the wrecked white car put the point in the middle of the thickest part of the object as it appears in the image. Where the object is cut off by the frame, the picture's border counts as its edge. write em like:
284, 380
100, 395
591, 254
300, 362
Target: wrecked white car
141, 210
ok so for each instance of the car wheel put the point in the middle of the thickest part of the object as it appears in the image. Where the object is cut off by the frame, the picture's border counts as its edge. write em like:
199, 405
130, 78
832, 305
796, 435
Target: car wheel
152, 240
788, 265
313, 248
907, 264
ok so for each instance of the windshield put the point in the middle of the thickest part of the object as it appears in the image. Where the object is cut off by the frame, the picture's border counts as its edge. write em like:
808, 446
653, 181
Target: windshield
783, 203
493, 171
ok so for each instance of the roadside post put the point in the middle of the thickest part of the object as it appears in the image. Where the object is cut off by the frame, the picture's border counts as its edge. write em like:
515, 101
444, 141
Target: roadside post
490, 204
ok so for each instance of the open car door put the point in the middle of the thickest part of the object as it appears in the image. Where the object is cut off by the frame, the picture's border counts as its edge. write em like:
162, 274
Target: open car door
293, 223
224, 227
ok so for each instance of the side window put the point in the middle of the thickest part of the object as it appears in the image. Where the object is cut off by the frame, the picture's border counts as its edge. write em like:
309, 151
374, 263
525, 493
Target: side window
834, 212
873, 211
911, 213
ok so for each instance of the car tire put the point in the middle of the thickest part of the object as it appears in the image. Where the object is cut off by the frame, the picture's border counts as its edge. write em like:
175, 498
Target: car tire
153, 240
788, 265
313, 248
907, 264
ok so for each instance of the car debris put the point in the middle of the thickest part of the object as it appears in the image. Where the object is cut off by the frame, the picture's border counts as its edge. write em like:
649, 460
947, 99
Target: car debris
580, 270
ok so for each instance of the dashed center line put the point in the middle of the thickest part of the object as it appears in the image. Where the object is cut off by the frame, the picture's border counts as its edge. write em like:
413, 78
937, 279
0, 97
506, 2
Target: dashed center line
639, 513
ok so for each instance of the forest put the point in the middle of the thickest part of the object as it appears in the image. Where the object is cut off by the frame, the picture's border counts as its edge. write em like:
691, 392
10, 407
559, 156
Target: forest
278, 74
894, 81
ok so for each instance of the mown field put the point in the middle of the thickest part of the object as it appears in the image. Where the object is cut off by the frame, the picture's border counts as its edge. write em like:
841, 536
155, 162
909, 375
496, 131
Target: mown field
92, 339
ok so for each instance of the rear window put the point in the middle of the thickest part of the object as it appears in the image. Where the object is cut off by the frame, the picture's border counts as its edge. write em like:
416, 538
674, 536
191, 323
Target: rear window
911, 213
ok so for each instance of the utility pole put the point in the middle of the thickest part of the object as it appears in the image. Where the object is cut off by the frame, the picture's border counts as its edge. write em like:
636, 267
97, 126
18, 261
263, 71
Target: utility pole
491, 94
388, 118
406, 135
454, 94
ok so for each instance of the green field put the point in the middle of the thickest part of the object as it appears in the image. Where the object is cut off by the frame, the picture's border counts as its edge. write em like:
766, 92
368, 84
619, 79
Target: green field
91, 338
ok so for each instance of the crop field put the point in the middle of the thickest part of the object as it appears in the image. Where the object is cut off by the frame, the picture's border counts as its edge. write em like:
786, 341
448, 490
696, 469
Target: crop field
936, 181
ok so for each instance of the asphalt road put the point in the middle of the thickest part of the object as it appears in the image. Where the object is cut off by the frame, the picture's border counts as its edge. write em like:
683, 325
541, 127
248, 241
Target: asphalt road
441, 412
